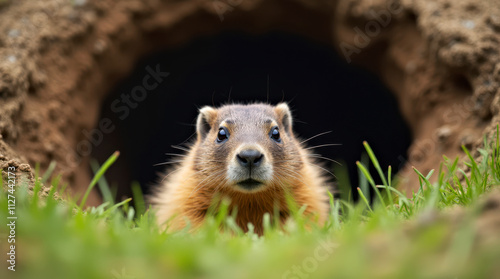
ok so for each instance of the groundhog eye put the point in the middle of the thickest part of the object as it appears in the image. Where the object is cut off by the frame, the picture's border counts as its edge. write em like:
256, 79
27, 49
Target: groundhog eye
222, 135
275, 134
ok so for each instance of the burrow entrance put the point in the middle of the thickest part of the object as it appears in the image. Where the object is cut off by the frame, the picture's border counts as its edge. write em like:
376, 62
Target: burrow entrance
155, 107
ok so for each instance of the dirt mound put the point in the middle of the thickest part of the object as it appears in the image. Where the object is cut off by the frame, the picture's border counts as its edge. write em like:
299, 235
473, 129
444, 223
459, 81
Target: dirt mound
59, 59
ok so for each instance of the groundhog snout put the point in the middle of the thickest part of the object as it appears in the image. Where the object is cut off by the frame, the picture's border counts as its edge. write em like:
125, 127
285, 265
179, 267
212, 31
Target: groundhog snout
250, 169
250, 158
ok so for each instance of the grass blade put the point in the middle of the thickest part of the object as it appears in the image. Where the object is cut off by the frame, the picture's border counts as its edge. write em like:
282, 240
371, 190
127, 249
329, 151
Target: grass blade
98, 176
362, 196
375, 162
49, 172
372, 183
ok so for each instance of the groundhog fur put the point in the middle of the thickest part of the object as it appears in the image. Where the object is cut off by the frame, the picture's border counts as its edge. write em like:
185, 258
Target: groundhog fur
248, 154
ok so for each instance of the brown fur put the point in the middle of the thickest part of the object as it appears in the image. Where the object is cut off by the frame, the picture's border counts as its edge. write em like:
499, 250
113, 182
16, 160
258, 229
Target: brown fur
205, 171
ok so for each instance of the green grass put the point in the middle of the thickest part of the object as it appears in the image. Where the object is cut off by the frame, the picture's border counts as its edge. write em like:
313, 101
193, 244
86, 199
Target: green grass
393, 237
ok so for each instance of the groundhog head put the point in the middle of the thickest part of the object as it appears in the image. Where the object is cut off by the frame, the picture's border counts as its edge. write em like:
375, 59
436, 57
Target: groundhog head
247, 148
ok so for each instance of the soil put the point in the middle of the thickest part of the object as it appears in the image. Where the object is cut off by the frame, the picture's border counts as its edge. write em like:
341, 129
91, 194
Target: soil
59, 59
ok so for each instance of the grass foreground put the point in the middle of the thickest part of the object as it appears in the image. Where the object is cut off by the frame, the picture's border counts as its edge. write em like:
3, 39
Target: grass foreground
437, 233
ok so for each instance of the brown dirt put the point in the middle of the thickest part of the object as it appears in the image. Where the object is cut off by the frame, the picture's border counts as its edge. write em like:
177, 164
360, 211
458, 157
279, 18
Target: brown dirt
59, 59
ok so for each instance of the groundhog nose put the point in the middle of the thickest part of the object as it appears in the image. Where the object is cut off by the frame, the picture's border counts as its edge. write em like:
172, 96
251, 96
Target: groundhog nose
250, 158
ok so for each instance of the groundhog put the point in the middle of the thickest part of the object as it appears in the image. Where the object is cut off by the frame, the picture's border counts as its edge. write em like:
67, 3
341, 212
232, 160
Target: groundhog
249, 154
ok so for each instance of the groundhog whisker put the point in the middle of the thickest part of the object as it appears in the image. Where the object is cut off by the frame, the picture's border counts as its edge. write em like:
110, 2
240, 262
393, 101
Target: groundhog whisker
207, 179
180, 148
289, 161
175, 154
318, 166
316, 157
323, 145
178, 162
167, 163
324, 158
170, 173
318, 135
279, 183
179, 170
310, 163
220, 186
324, 169
209, 174
198, 186
294, 175
213, 161
313, 155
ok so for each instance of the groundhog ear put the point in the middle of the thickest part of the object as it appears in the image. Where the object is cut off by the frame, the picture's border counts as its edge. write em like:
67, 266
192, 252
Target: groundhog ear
285, 116
205, 120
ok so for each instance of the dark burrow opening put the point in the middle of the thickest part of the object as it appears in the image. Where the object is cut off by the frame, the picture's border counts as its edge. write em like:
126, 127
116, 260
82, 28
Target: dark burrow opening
323, 90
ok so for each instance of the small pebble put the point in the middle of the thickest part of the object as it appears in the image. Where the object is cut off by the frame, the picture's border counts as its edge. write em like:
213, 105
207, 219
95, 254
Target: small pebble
11, 59
436, 13
79, 3
14, 33
74, 16
443, 133
100, 46
24, 167
469, 24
